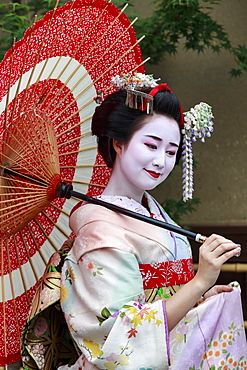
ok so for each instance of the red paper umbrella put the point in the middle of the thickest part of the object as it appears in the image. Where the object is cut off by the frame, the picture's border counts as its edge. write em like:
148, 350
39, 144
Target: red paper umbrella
48, 83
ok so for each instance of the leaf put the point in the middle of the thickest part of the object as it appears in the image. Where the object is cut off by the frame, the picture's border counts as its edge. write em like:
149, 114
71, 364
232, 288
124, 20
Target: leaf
105, 312
220, 334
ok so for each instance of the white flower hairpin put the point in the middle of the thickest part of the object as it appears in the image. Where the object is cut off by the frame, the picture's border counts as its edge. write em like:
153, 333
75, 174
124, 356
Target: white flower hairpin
198, 124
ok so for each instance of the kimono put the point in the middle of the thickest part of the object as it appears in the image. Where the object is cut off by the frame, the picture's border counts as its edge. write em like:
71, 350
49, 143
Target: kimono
112, 292
114, 286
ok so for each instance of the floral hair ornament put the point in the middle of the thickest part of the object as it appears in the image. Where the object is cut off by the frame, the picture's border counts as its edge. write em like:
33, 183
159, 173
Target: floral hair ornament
198, 124
195, 124
137, 87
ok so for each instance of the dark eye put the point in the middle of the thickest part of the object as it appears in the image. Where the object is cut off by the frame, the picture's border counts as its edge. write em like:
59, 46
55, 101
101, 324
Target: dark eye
152, 146
170, 152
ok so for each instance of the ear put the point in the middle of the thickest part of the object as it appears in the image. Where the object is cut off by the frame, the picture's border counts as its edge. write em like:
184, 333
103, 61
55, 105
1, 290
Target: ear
117, 146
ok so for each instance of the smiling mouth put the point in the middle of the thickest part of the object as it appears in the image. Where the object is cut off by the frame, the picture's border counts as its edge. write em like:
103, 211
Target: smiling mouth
156, 175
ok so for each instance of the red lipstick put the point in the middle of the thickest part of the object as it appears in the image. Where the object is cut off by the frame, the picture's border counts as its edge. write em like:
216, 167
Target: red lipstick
156, 175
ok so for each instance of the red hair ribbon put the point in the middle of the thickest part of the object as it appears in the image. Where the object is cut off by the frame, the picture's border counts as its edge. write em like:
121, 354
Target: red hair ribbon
154, 91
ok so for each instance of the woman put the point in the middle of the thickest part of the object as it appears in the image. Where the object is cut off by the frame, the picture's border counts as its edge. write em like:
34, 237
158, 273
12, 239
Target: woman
109, 314
128, 290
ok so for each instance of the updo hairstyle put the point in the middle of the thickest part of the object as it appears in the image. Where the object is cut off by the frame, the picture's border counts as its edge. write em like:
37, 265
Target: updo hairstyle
113, 119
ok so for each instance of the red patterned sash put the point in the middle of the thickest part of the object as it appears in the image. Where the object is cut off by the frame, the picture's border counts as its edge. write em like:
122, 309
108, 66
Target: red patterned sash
156, 275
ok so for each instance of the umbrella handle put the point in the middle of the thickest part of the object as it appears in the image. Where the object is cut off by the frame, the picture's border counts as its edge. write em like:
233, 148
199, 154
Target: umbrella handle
66, 191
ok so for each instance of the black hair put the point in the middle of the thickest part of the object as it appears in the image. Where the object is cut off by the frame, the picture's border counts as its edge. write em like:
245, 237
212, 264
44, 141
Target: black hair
113, 119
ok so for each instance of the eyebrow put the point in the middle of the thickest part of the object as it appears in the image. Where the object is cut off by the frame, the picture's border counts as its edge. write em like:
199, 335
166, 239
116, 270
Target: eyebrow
159, 139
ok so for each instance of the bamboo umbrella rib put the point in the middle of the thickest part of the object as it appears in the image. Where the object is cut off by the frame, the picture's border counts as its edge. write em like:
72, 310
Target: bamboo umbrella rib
84, 183
75, 139
24, 181
43, 176
93, 66
60, 210
3, 300
133, 70
106, 31
78, 110
85, 166
15, 216
78, 151
28, 255
15, 163
37, 165
67, 65
22, 69
59, 59
46, 235
26, 204
92, 83
19, 200
36, 60
84, 75
123, 55
59, 31
21, 272
72, 101
13, 292
74, 126
16, 199
36, 245
18, 187
54, 224
8, 93
21, 140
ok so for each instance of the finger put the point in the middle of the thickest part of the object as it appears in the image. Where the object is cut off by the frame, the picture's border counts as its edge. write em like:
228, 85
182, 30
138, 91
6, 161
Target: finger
229, 254
224, 248
214, 241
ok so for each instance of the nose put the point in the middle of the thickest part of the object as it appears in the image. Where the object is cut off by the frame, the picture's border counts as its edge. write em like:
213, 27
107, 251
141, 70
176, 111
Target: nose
159, 160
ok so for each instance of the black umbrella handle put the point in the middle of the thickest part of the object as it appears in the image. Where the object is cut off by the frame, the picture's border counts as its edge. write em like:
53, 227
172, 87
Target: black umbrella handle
66, 191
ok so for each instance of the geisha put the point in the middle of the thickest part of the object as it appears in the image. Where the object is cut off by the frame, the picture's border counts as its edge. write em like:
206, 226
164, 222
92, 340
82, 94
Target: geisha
128, 291
178, 323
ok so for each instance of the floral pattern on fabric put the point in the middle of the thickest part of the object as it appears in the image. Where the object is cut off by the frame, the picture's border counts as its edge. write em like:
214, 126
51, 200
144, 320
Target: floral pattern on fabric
118, 327
46, 342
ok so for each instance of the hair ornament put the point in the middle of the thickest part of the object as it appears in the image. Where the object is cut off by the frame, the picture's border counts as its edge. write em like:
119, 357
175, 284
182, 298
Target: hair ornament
137, 86
198, 124
137, 81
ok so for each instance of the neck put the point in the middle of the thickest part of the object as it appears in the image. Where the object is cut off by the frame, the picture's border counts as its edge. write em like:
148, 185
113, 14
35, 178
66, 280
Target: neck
118, 185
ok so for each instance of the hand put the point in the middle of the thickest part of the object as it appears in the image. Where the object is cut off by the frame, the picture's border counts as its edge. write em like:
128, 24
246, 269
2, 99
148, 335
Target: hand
213, 253
217, 289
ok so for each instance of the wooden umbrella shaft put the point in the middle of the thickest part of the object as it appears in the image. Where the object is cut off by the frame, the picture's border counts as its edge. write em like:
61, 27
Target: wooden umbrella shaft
66, 191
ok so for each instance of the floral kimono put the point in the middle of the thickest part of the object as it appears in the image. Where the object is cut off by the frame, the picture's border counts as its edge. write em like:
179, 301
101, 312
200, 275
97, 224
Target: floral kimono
115, 281
114, 284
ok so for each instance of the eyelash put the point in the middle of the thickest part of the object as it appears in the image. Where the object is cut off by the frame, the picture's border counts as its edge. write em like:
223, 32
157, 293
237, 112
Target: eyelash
153, 146
171, 153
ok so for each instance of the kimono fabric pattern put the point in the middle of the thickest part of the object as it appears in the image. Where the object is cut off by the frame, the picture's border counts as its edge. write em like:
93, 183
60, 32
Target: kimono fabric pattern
116, 322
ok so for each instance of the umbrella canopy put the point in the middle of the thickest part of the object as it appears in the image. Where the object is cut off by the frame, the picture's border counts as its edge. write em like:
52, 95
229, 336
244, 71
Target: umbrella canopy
49, 81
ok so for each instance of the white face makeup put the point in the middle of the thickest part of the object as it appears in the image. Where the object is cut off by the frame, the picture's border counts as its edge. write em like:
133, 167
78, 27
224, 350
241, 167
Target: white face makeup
147, 159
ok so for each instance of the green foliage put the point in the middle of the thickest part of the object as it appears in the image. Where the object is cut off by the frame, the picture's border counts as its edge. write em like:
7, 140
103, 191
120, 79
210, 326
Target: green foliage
177, 209
189, 22
170, 23
240, 54
17, 16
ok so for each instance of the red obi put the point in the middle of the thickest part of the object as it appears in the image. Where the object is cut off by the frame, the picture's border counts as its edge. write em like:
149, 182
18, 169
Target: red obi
156, 275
